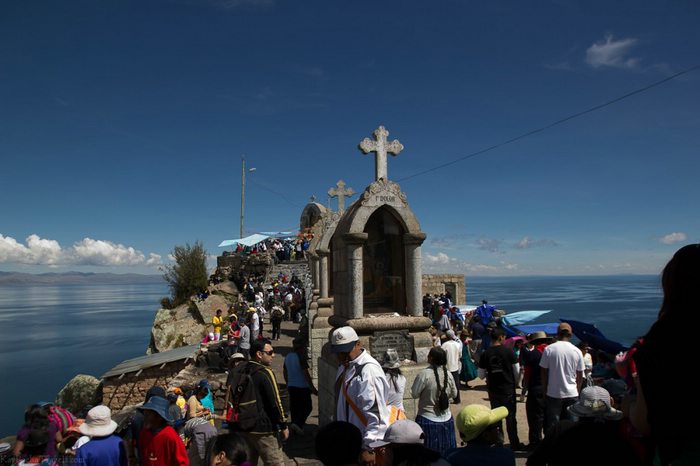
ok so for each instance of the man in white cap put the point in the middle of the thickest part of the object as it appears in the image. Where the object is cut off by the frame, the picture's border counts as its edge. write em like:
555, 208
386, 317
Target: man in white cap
104, 448
362, 388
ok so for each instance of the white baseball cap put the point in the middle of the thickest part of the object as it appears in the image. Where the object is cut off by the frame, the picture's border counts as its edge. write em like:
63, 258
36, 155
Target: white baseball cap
401, 432
343, 340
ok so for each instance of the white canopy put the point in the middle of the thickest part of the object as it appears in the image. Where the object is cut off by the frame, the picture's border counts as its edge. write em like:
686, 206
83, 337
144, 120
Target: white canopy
247, 241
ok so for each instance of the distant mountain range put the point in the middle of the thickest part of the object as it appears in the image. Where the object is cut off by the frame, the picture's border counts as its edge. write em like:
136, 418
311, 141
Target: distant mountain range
77, 278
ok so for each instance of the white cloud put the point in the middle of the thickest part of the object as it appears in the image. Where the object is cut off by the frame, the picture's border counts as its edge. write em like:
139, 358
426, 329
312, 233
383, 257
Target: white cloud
612, 53
527, 243
673, 238
440, 258
87, 251
488, 244
442, 263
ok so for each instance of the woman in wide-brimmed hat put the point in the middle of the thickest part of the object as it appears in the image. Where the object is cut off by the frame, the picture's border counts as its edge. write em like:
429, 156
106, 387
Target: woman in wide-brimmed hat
104, 448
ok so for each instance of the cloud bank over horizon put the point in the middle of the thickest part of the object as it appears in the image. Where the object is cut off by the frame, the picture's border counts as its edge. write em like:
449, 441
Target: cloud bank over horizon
88, 251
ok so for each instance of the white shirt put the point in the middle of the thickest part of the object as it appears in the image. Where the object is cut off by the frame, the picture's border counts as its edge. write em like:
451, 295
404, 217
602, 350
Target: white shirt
563, 360
368, 391
394, 396
454, 354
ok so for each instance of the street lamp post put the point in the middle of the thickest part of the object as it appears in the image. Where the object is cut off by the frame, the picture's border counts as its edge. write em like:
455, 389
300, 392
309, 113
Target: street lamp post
243, 191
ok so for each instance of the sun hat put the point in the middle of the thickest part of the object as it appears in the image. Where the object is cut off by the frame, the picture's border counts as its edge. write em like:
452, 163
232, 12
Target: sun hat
594, 401
237, 356
391, 359
403, 432
343, 340
451, 334
98, 422
251, 309
538, 335
158, 404
472, 420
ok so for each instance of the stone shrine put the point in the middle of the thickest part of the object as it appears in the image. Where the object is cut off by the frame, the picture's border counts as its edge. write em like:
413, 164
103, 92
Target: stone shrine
369, 277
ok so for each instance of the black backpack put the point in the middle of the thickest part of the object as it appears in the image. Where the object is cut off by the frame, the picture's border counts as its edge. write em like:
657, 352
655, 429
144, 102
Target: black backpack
242, 415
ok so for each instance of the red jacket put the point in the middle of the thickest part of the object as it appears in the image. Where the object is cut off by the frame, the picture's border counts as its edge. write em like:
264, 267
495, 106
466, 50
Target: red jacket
162, 448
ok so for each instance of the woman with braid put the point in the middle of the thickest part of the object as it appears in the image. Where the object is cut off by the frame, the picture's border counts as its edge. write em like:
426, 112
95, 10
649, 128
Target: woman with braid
435, 387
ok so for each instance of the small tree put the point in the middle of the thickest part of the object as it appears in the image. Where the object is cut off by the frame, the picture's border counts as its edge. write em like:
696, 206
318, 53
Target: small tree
189, 274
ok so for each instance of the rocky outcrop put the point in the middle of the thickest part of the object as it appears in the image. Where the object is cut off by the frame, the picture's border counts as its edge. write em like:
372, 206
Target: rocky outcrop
187, 324
81, 391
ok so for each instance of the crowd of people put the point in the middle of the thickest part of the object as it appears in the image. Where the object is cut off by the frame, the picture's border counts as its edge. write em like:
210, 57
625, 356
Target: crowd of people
582, 407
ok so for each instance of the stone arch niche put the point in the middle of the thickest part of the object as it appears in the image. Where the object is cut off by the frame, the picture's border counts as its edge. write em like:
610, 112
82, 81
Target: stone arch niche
377, 245
310, 216
383, 264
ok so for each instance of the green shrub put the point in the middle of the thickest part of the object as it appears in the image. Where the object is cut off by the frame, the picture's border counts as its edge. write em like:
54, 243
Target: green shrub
188, 276
166, 303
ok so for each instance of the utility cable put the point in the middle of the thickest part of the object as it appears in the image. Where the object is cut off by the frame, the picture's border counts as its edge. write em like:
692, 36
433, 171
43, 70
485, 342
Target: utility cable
556, 123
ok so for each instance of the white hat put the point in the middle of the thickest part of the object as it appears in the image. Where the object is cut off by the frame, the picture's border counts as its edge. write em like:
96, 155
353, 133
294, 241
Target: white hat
594, 401
98, 422
402, 432
343, 340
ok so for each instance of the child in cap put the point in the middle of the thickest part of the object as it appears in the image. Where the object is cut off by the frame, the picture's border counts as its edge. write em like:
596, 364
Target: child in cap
478, 428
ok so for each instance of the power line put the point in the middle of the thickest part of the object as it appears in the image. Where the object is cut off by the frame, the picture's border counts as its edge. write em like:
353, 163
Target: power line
556, 123
286, 198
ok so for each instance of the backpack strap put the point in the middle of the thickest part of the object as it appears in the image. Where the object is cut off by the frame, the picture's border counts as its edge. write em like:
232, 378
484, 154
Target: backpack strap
348, 401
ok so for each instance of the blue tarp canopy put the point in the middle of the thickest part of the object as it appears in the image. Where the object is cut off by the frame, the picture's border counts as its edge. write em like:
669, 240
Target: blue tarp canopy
594, 337
277, 234
522, 317
247, 241
548, 328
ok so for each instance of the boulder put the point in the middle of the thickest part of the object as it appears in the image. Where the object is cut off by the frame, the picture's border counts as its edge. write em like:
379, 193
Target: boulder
184, 325
81, 391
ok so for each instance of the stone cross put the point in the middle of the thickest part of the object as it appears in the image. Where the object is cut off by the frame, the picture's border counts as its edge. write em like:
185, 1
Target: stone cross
340, 192
312, 199
381, 147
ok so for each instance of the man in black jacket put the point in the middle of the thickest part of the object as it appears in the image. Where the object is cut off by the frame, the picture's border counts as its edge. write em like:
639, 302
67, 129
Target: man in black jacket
265, 439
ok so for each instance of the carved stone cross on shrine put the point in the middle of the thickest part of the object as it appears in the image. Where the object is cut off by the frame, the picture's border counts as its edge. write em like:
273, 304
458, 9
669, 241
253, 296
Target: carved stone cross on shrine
381, 147
340, 192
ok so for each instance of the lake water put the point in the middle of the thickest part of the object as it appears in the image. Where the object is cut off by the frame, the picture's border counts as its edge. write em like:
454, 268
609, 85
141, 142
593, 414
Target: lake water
622, 307
48, 334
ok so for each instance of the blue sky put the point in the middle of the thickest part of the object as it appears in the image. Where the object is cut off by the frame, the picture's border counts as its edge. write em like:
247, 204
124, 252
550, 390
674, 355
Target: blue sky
123, 123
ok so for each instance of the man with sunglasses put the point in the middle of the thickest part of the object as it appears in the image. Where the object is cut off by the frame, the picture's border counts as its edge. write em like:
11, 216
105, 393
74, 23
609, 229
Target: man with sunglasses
265, 439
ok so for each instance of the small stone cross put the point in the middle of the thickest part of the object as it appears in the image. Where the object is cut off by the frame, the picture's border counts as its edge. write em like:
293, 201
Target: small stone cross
381, 147
340, 192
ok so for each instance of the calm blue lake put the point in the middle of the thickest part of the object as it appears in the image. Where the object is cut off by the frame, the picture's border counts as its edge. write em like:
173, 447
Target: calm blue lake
50, 333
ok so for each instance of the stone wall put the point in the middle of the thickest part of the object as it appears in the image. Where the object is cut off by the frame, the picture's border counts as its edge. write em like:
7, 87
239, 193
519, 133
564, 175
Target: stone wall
131, 389
436, 284
252, 264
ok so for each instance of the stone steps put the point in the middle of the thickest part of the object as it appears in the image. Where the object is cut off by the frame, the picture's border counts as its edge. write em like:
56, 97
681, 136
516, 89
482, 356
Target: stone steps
298, 268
